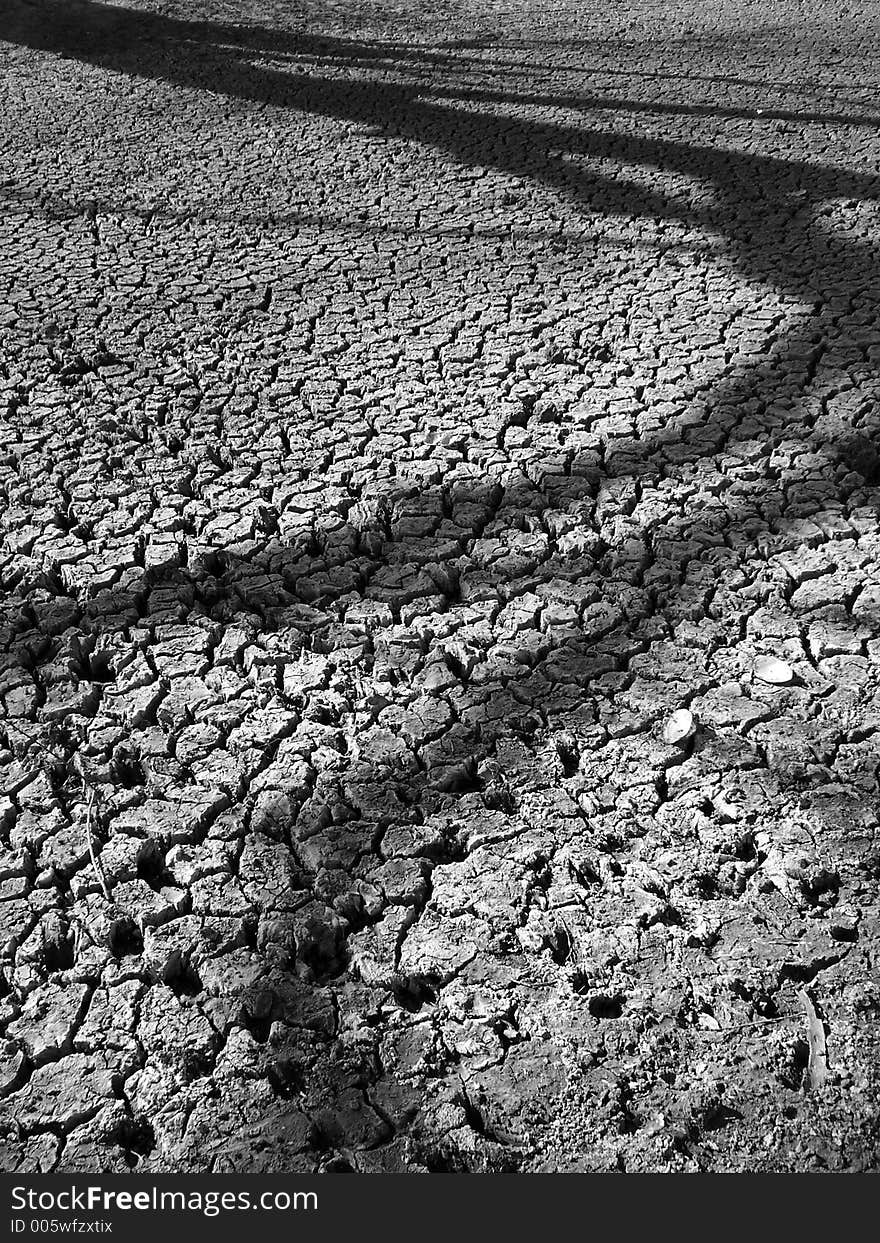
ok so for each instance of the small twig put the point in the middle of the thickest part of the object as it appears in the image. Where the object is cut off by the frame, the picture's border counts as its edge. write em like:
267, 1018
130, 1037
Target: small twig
817, 1065
89, 793
99, 871
725, 1031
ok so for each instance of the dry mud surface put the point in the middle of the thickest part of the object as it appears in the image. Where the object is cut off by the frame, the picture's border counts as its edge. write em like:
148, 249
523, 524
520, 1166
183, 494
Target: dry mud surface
405, 409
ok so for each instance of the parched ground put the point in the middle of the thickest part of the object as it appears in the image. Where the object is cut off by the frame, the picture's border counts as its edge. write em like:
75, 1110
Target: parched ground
406, 409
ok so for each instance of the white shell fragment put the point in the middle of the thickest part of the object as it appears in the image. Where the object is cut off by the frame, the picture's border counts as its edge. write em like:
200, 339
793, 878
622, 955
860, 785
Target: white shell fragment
771, 669
679, 726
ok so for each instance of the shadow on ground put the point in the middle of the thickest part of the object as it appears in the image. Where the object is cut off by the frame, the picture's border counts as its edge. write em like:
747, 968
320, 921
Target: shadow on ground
354, 584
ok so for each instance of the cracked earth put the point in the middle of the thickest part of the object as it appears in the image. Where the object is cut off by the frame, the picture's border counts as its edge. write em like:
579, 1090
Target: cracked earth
406, 410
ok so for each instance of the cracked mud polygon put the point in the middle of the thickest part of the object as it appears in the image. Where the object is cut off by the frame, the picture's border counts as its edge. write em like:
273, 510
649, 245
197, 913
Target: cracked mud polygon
406, 410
